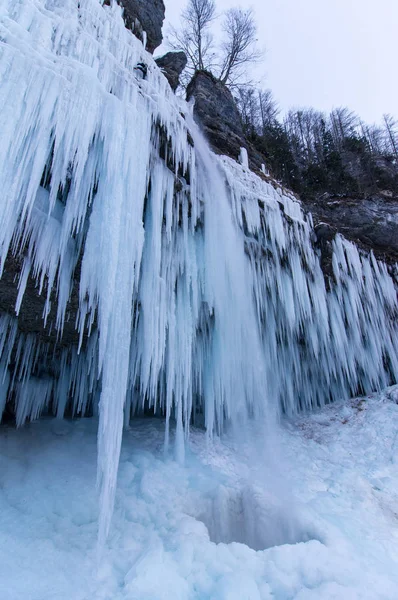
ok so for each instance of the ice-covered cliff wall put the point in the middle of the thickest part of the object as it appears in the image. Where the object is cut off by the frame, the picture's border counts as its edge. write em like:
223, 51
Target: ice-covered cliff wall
193, 285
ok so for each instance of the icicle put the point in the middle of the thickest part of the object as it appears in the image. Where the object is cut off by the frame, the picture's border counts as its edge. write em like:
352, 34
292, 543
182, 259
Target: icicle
244, 158
4, 385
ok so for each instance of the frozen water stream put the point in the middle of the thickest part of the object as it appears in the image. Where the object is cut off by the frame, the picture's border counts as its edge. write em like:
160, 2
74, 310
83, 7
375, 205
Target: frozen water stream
200, 294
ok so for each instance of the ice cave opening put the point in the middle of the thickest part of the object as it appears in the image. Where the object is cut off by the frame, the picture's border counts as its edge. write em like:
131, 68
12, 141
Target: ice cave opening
251, 516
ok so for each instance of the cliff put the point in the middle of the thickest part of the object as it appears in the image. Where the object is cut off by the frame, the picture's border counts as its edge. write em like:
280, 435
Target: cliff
369, 220
145, 16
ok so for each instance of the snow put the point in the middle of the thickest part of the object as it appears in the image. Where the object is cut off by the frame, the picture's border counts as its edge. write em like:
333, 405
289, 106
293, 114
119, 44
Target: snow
328, 521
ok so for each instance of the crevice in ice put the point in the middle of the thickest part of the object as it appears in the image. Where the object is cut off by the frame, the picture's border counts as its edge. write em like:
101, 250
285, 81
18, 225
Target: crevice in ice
252, 517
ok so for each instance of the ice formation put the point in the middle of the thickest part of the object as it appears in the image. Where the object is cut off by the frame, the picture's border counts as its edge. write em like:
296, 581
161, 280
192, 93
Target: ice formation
201, 296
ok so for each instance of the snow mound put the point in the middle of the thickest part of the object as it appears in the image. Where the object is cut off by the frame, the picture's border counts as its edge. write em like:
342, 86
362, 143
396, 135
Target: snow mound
341, 472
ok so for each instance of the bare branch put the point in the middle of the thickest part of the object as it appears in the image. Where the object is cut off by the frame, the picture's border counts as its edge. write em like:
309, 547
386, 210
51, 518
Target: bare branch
239, 48
194, 37
391, 128
344, 123
269, 109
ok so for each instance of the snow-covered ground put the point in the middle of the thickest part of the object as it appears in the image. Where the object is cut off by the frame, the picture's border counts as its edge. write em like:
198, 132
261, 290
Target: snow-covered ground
321, 510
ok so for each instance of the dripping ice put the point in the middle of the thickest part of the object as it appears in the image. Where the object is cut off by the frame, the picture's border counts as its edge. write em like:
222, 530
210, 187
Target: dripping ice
200, 296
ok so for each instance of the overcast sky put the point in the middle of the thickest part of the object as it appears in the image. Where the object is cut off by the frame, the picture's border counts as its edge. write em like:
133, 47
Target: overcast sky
325, 53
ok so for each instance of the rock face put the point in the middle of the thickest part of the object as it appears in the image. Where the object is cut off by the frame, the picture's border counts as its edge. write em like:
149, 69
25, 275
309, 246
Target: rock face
218, 115
145, 15
172, 64
30, 318
216, 111
372, 223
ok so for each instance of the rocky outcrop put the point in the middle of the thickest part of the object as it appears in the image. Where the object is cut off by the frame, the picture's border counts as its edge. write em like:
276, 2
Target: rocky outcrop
371, 223
217, 113
322, 238
172, 65
145, 15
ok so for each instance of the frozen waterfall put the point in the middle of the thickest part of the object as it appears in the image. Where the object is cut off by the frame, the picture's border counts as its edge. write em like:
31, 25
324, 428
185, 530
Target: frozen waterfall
198, 292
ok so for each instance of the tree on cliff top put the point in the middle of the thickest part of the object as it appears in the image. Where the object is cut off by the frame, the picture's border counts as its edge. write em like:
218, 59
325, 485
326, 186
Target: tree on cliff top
236, 52
239, 46
194, 37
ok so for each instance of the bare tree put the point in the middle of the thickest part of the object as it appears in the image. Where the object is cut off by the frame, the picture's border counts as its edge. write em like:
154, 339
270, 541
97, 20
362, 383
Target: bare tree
374, 136
239, 48
293, 129
269, 109
343, 124
249, 108
391, 128
306, 130
194, 37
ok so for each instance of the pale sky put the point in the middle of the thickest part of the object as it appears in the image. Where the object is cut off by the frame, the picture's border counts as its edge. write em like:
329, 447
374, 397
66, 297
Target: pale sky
325, 53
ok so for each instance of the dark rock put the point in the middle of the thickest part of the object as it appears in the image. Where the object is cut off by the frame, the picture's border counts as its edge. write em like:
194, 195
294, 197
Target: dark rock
145, 15
30, 318
324, 235
172, 65
142, 69
371, 223
216, 111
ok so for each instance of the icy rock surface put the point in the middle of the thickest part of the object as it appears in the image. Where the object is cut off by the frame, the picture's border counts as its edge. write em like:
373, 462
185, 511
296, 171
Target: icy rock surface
199, 289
